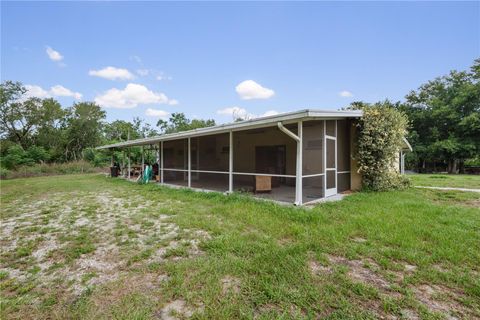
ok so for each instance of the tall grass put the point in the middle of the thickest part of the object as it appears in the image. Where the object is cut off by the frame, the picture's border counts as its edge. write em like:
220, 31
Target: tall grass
49, 169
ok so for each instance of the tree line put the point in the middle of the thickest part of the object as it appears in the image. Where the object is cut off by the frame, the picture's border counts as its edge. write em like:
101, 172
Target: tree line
443, 115
34, 130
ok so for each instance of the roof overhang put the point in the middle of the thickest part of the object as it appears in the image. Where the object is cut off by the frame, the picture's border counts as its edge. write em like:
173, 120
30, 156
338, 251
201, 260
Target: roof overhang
285, 118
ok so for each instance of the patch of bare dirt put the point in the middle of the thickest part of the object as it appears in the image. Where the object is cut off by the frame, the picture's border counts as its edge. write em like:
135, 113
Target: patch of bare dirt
365, 271
359, 240
178, 309
318, 269
112, 220
442, 300
230, 284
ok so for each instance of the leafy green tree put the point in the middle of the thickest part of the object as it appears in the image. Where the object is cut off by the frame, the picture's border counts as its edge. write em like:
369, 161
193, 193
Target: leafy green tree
84, 128
16, 156
445, 119
179, 122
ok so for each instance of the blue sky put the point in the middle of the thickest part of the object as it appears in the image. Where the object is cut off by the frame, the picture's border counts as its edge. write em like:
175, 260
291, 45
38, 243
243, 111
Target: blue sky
209, 59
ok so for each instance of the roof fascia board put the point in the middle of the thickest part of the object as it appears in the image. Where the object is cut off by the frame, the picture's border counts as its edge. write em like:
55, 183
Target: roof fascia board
271, 121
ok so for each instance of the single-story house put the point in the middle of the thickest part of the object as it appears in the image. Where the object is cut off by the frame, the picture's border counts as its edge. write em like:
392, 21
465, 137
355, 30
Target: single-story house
297, 157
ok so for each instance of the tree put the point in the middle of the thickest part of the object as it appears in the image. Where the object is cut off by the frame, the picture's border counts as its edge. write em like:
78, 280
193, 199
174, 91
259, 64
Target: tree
84, 128
27, 120
445, 119
178, 122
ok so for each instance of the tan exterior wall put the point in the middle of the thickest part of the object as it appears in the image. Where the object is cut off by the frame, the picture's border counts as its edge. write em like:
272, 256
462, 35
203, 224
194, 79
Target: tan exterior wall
244, 144
355, 176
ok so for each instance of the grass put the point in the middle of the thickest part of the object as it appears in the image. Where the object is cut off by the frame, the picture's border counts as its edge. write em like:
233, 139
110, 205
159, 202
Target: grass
446, 180
131, 251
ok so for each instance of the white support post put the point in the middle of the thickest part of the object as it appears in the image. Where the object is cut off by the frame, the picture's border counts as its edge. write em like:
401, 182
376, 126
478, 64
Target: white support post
158, 159
402, 162
299, 173
129, 165
325, 158
189, 164
230, 164
161, 162
336, 156
123, 163
143, 160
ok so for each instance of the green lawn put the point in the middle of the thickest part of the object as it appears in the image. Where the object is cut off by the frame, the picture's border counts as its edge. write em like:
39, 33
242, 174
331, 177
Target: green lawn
93, 247
446, 180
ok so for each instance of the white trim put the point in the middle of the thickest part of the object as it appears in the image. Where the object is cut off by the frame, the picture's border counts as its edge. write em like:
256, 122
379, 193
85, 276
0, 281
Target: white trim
264, 174
290, 117
189, 164
161, 162
325, 158
313, 175
230, 162
143, 159
235, 173
129, 164
331, 191
299, 172
209, 171
341, 172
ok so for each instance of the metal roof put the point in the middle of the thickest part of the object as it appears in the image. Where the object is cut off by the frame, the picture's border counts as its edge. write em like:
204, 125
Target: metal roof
289, 117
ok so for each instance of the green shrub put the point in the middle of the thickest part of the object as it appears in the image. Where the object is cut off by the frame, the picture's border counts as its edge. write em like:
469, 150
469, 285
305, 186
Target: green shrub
15, 157
38, 154
380, 137
4, 172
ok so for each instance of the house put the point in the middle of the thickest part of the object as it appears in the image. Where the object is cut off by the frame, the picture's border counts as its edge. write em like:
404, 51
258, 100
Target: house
297, 157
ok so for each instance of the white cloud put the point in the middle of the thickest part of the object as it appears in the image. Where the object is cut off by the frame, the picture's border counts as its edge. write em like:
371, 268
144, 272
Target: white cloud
130, 97
156, 113
173, 102
112, 73
235, 113
163, 77
270, 113
143, 72
54, 55
61, 91
55, 91
249, 89
345, 94
238, 112
36, 91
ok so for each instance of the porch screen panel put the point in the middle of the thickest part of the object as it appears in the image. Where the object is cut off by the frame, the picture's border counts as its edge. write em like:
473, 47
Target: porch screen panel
210, 181
312, 188
281, 189
312, 144
343, 146
175, 157
330, 128
343, 182
264, 151
343, 157
175, 153
210, 153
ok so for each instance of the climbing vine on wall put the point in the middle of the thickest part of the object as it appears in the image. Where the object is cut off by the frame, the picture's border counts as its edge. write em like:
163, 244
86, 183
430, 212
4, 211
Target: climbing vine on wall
380, 137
